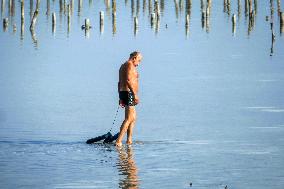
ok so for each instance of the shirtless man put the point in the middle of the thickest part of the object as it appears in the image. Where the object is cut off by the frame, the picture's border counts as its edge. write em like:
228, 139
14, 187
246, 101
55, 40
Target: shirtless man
128, 97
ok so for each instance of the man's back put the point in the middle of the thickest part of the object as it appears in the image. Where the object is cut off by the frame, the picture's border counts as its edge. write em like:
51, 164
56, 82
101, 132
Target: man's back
123, 78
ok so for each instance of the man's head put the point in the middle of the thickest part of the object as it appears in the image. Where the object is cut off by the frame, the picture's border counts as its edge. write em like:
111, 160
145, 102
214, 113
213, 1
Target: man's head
135, 57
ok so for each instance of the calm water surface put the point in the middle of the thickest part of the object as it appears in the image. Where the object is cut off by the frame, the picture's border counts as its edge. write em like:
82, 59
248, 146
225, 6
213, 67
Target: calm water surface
212, 103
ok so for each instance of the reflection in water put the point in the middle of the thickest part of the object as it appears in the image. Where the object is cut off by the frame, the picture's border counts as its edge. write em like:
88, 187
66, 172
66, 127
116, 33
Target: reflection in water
127, 168
34, 38
2, 8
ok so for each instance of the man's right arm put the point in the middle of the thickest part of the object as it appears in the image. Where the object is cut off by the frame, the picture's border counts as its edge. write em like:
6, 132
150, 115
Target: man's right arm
131, 84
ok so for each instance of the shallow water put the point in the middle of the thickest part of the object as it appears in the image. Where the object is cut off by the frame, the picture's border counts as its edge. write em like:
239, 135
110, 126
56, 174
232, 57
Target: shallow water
211, 112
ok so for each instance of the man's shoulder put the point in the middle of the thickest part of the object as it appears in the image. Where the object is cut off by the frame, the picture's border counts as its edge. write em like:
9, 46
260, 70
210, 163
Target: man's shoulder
129, 66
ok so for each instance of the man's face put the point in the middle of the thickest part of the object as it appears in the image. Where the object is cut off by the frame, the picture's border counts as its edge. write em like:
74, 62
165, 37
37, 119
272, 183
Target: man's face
137, 60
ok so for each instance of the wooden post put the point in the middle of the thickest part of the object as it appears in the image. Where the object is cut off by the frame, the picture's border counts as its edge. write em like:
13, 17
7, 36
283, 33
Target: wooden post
150, 7
281, 22
255, 6
87, 24
101, 21
53, 22
157, 8
22, 9
187, 24
250, 7
135, 25
202, 4
72, 6
281, 18
239, 8
80, 3
207, 12
203, 19
35, 15
2, 7
188, 7
272, 42
228, 7
137, 7
162, 6
22, 28
132, 7
22, 18
278, 7
114, 23
10, 7
33, 22
68, 17
234, 19
246, 8
135, 22
31, 9
152, 19
157, 25
64, 7
187, 20
113, 5
14, 28
207, 24
101, 18
60, 6
48, 8
176, 9
234, 23
144, 6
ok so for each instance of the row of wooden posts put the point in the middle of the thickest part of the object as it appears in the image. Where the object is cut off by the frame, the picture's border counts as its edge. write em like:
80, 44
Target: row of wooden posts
154, 17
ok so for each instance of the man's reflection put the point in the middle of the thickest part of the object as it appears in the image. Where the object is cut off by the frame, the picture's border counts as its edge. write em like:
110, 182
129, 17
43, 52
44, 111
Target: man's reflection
127, 168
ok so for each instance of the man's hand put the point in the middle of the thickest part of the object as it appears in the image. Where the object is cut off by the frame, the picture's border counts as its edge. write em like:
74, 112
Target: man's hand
121, 104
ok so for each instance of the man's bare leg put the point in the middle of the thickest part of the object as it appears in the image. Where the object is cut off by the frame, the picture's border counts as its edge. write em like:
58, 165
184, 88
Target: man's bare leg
130, 127
130, 117
124, 126
129, 133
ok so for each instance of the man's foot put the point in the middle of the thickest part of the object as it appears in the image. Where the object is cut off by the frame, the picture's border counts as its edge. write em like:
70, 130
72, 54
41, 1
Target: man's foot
129, 142
118, 144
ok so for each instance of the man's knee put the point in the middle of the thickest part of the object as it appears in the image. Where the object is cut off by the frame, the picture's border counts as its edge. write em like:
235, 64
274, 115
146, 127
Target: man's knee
130, 119
127, 121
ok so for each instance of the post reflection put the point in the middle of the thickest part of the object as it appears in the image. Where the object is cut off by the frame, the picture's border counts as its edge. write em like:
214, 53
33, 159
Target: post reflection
127, 168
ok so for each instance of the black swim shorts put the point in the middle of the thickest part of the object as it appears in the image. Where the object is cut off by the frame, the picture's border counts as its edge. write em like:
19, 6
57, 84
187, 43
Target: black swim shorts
127, 98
